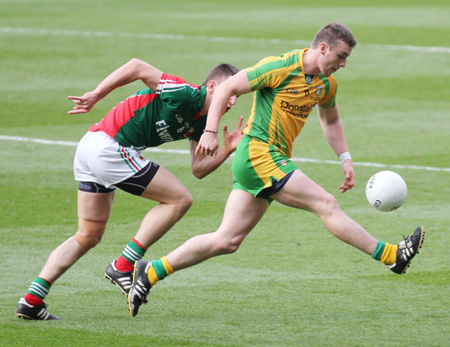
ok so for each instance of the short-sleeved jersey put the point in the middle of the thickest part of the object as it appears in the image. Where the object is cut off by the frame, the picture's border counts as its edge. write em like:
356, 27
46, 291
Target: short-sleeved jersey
284, 98
149, 119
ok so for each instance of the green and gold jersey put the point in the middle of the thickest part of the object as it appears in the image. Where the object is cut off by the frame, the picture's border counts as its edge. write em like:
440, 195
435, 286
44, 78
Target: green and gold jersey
284, 98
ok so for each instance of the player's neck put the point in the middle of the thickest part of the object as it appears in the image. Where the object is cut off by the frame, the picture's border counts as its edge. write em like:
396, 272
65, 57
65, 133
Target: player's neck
310, 62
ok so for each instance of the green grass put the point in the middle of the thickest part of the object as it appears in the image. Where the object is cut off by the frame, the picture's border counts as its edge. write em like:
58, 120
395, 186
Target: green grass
291, 283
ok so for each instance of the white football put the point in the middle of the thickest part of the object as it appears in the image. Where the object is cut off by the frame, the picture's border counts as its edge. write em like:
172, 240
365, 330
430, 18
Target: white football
386, 191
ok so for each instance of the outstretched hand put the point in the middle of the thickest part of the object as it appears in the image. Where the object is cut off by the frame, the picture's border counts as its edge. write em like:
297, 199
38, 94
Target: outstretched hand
83, 103
209, 144
349, 173
231, 140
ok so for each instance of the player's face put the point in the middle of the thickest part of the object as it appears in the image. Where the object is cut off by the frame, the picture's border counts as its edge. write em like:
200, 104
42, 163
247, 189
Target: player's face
231, 103
332, 59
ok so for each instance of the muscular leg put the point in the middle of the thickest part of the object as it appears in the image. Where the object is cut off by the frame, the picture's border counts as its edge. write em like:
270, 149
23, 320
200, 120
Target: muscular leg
175, 200
301, 192
242, 213
93, 214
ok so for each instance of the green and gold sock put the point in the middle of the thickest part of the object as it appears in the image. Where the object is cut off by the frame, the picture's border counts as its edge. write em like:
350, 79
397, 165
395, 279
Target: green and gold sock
385, 253
159, 270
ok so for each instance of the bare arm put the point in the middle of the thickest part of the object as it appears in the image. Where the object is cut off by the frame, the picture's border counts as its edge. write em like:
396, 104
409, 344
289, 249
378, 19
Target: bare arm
134, 70
202, 166
334, 133
236, 85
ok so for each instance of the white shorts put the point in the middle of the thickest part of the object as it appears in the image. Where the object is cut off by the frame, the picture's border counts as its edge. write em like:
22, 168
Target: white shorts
103, 160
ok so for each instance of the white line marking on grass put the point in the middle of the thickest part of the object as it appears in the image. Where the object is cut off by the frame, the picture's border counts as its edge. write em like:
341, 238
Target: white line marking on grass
184, 151
28, 31
45, 142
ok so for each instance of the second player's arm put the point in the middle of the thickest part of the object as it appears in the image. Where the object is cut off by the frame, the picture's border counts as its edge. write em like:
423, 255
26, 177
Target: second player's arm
333, 129
334, 133
235, 85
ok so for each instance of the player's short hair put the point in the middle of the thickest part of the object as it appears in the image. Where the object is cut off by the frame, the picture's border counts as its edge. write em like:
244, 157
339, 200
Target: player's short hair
332, 33
220, 72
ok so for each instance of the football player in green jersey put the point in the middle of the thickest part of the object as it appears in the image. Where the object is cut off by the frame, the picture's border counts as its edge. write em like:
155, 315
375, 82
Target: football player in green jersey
286, 90
109, 156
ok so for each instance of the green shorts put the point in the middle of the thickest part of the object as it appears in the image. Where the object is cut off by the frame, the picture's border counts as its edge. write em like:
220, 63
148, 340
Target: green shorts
258, 166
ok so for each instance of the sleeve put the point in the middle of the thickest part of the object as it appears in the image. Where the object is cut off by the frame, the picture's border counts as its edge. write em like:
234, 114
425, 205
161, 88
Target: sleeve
329, 100
176, 92
266, 73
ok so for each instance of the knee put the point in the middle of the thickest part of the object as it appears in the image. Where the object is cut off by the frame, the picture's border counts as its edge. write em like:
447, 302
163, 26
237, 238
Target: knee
184, 202
330, 203
228, 246
89, 234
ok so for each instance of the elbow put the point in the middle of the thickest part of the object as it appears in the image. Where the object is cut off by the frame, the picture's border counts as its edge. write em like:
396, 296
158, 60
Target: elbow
199, 174
199, 171
135, 61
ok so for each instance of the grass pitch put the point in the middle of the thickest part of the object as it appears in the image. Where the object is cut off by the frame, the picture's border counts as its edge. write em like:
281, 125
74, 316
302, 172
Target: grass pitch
291, 283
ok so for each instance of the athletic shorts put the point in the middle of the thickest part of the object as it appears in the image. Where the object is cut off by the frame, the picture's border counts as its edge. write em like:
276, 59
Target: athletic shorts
101, 159
260, 168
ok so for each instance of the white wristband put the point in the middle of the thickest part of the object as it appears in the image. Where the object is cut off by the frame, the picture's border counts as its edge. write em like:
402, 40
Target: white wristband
344, 156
